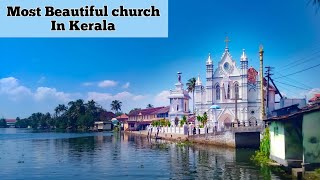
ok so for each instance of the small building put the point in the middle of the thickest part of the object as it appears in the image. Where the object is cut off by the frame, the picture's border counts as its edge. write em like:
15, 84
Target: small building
295, 137
179, 103
141, 118
103, 126
315, 99
123, 120
11, 122
104, 123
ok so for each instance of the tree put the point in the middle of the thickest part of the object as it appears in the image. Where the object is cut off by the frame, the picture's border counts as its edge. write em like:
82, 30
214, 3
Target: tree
183, 121
200, 119
149, 106
134, 109
3, 123
204, 118
61, 108
191, 85
116, 106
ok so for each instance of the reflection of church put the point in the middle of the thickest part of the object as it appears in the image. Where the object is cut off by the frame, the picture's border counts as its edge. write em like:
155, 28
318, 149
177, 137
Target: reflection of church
234, 90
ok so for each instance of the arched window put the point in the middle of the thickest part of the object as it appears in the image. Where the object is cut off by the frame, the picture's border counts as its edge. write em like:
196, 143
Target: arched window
236, 90
228, 93
217, 92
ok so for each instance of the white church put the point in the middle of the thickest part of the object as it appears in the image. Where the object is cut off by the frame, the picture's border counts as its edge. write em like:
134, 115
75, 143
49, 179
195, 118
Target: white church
231, 92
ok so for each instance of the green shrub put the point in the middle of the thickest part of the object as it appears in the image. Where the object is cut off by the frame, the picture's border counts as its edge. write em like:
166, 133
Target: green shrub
262, 155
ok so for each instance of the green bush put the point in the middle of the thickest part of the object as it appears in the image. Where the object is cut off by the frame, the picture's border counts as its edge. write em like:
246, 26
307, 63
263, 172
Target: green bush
262, 155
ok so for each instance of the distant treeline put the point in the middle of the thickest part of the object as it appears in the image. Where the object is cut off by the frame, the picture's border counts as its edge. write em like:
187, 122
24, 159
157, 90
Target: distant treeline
76, 116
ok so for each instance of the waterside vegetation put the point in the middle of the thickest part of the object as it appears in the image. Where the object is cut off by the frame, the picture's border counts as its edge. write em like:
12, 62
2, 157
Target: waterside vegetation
77, 115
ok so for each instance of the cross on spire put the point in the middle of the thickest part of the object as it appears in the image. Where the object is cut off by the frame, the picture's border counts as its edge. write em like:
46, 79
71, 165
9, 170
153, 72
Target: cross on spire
227, 40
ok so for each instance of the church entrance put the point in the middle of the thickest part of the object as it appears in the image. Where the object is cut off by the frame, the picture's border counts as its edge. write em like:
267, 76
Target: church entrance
227, 123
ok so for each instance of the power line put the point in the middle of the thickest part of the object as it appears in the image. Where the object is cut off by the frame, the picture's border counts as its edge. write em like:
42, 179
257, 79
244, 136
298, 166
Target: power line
298, 71
292, 85
307, 59
288, 79
304, 57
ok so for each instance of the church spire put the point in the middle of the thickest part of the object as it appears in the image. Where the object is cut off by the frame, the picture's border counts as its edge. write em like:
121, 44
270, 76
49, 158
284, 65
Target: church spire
227, 40
209, 61
244, 55
198, 82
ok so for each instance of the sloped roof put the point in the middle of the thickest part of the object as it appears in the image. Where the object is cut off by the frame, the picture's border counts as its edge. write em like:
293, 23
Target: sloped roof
123, 116
142, 112
162, 110
292, 116
315, 98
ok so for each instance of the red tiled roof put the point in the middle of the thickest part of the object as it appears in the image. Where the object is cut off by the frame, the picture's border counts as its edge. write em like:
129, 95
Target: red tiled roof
147, 111
162, 110
11, 120
123, 116
315, 97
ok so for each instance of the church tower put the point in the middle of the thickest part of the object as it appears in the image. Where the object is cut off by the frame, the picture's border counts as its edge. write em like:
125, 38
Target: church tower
179, 102
209, 85
244, 77
198, 94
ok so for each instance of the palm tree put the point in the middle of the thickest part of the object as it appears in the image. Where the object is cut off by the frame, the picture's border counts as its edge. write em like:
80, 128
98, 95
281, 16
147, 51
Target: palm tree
191, 85
149, 106
116, 106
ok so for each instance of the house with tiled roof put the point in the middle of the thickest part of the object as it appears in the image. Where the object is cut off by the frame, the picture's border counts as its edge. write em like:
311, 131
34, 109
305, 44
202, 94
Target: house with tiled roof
295, 136
123, 120
141, 118
315, 99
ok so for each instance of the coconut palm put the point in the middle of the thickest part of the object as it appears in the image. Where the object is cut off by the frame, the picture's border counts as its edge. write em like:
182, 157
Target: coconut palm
116, 106
191, 85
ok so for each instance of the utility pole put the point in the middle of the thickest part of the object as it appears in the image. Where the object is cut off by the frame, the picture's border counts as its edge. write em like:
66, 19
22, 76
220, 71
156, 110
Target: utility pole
263, 112
268, 75
236, 120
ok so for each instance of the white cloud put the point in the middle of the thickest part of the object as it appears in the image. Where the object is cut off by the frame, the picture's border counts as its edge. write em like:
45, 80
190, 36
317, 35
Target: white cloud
309, 94
126, 85
139, 97
161, 99
43, 93
107, 83
10, 86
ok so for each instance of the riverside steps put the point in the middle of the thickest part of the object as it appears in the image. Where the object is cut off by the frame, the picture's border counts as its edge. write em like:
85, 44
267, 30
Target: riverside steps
237, 136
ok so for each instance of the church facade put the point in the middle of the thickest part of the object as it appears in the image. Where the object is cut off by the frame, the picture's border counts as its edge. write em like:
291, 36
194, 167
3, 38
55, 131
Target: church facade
231, 92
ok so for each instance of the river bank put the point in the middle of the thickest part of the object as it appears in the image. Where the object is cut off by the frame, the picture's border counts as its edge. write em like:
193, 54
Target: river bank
222, 140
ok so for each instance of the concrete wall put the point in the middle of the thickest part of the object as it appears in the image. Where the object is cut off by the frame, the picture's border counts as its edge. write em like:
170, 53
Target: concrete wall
247, 140
277, 141
225, 139
311, 137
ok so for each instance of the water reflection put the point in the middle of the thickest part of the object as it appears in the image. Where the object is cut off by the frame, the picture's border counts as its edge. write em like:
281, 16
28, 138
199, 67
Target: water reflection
118, 156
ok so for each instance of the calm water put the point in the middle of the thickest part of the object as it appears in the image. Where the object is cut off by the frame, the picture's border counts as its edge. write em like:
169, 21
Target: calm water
28, 155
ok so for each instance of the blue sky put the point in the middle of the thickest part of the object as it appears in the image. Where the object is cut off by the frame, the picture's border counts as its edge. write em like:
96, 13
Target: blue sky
38, 73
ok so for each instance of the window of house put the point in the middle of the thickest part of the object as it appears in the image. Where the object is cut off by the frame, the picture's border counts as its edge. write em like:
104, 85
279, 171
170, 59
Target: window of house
217, 92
